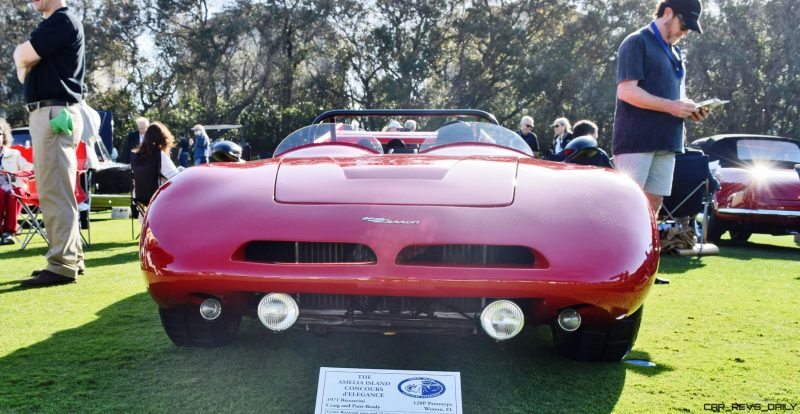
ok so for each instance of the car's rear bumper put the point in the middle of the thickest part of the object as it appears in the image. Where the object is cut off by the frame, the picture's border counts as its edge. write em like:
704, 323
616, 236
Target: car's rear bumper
744, 212
616, 297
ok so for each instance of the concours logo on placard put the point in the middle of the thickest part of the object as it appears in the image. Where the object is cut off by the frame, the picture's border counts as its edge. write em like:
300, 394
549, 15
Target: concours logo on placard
421, 387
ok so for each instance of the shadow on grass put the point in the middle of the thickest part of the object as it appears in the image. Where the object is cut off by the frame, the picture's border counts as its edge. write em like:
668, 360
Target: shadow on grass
92, 263
39, 249
34, 249
679, 264
124, 362
730, 249
749, 251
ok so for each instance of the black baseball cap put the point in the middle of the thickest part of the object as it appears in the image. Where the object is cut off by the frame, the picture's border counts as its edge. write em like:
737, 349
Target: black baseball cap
690, 10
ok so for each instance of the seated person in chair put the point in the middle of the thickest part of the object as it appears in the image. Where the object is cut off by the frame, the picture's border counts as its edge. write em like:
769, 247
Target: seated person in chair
394, 145
10, 161
152, 165
588, 128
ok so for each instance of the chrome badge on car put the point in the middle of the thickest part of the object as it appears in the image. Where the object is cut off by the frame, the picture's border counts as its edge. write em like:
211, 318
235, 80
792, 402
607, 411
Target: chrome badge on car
382, 220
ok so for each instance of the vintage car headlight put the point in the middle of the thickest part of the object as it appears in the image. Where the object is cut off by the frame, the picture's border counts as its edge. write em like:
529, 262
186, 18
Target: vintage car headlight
210, 309
278, 311
502, 319
569, 320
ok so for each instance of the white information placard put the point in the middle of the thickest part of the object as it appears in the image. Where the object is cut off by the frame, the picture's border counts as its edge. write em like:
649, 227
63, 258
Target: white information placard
383, 391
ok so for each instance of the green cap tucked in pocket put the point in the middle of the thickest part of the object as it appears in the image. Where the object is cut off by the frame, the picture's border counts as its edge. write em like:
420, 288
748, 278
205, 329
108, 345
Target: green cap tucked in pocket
62, 123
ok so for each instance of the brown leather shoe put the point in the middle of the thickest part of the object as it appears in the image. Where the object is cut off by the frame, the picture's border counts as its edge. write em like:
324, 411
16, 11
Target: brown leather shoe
46, 278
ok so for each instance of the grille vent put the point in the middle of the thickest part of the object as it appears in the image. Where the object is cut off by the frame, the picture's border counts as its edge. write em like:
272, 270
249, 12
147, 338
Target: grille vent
285, 252
367, 304
467, 255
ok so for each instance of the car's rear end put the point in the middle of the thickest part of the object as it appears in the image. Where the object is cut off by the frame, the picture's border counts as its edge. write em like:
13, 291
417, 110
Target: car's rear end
429, 243
760, 190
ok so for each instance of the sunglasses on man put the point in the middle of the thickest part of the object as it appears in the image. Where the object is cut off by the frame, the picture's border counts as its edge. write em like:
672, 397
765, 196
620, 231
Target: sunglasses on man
684, 27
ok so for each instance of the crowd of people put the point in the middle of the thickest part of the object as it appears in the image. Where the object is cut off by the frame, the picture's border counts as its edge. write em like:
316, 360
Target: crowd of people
194, 149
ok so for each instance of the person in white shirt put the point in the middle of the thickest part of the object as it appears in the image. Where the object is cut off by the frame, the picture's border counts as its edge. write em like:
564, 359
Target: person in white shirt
562, 134
10, 161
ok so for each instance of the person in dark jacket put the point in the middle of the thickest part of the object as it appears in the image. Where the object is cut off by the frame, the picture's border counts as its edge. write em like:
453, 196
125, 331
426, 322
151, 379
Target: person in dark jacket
526, 132
586, 128
134, 139
184, 147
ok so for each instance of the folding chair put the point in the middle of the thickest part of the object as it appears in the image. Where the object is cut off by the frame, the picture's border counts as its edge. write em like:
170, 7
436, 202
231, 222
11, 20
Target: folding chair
83, 190
27, 195
83, 195
693, 187
24, 191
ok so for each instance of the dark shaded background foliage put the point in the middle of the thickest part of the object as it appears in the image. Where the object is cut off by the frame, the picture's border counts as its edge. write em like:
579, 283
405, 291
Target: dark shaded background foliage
272, 65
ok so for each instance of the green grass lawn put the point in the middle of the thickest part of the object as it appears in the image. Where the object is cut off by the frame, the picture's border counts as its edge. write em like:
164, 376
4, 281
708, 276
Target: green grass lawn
726, 330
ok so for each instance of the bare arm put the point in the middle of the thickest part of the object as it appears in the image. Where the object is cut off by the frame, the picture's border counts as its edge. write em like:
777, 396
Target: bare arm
25, 58
630, 92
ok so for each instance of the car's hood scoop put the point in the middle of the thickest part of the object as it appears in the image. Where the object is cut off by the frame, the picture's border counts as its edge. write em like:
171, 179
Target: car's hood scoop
408, 180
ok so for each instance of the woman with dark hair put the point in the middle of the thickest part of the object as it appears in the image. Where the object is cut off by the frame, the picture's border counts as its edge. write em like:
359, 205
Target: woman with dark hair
152, 165
10, 161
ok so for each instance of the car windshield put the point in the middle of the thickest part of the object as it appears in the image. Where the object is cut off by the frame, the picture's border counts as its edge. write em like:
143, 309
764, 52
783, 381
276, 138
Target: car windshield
337, 133
459, 132
396, 139
768, 151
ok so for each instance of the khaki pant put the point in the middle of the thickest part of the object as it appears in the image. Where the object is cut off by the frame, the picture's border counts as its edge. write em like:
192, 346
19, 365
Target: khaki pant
56, 168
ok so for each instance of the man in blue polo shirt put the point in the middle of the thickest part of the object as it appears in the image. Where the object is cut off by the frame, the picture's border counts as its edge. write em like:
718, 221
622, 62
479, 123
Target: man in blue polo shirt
51, 66
651, 98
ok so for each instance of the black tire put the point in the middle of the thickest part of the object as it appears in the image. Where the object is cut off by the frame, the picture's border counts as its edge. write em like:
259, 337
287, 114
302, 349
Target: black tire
715, 229
739, 235
185, 327
599, 343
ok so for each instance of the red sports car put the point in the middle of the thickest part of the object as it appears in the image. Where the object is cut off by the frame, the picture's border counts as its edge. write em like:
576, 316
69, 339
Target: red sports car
451, 228
759, 187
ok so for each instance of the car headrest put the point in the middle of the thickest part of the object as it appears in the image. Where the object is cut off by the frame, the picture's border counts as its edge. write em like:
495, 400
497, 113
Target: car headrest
580, 147
226, 151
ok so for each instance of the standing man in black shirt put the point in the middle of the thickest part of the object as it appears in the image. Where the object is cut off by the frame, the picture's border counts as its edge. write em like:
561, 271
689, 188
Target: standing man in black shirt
51, 67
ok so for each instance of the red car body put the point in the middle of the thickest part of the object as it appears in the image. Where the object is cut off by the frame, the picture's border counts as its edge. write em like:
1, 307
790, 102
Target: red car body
579, 237
759, 187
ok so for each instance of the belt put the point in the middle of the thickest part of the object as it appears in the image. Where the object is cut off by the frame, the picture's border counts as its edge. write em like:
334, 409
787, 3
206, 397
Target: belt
47, 102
